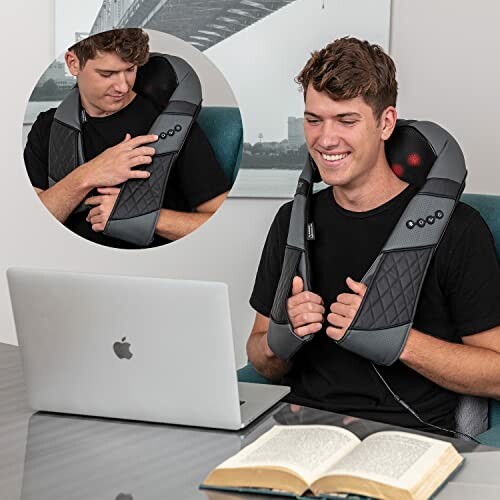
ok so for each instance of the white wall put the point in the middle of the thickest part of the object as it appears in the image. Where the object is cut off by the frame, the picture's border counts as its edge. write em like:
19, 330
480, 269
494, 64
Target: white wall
461, 92
447, 54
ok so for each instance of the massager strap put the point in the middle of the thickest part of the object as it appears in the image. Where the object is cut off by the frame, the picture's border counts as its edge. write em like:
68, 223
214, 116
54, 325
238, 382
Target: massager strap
381, 326
137, 208
282, 340
65, 142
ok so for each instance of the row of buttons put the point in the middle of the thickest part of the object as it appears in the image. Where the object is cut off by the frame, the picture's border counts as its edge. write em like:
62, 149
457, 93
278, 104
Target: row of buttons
171, 131
430, 219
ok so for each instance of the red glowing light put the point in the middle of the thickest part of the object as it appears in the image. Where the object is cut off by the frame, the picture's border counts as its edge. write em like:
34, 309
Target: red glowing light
414, 160
398, 169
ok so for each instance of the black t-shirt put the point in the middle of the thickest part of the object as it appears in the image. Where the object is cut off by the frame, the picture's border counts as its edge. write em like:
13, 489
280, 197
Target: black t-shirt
460, 296
195, 178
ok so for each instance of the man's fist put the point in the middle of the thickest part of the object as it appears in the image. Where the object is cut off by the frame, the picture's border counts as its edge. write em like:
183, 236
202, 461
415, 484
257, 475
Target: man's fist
116, 164
344, 310
99, 215
305, 309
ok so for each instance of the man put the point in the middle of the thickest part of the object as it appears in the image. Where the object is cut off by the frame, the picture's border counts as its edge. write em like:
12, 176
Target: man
115, 141
350, 95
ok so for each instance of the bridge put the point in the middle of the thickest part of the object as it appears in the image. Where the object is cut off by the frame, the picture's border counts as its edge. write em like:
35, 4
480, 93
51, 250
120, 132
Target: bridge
202, 23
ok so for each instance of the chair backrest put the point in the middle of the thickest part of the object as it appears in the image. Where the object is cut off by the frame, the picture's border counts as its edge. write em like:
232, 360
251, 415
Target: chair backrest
224, 131
489, 208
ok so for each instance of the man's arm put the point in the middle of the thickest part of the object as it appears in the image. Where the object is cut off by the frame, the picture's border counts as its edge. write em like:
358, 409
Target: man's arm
259, 353
173, 225
113, 166
469, 368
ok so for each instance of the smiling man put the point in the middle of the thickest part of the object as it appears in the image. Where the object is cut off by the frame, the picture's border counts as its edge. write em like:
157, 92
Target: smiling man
115, 138
350, 92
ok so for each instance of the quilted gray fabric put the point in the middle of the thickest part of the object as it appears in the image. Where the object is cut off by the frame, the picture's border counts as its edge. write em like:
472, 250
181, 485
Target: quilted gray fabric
141, 196
63, 153
391, 299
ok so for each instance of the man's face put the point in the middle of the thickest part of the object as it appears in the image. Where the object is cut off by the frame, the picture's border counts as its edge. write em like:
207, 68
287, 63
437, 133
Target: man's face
343, 137
105, 82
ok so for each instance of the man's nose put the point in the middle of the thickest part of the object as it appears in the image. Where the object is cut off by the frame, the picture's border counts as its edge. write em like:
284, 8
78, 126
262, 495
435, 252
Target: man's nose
120, 83
329, 137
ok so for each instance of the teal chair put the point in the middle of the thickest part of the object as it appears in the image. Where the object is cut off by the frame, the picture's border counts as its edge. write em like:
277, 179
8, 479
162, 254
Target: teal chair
224, 131
489, 208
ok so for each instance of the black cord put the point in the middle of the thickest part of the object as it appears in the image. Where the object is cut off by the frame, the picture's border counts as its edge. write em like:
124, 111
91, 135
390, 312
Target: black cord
405, 405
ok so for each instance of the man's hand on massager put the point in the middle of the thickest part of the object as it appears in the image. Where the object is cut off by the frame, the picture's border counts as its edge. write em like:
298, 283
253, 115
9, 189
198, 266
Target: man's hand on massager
103, 205
116, 164
305, 309
344, 310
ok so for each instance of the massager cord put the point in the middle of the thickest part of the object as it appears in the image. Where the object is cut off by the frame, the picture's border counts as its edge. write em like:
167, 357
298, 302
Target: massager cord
405, 405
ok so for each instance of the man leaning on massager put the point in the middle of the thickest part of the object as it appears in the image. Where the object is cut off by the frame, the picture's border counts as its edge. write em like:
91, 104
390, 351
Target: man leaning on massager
350, 94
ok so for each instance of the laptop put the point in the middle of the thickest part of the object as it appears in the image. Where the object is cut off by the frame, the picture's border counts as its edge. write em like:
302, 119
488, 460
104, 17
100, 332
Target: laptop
148, 349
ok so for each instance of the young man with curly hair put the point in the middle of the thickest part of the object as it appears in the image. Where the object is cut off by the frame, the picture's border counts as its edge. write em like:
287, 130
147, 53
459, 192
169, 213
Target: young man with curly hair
350, 93
115, 140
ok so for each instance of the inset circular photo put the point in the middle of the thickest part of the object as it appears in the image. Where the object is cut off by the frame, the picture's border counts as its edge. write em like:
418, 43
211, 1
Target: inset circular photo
132, 138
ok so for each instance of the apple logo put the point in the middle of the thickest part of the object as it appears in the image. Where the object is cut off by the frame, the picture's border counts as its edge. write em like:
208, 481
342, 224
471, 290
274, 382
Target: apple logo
122, 350
124, 496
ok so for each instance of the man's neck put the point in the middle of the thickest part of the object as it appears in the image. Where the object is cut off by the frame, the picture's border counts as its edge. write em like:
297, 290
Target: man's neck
378, 187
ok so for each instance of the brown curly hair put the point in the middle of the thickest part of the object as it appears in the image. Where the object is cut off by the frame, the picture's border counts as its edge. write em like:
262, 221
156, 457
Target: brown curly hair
348, 68
130, 44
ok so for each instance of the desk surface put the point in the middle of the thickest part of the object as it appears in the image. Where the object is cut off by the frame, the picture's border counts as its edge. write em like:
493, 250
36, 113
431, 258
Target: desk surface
52, 456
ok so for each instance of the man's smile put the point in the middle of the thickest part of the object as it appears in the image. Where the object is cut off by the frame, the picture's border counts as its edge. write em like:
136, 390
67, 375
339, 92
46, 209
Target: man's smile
333, 159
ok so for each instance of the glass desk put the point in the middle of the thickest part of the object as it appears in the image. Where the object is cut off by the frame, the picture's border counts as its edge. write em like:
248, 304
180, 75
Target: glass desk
49, 456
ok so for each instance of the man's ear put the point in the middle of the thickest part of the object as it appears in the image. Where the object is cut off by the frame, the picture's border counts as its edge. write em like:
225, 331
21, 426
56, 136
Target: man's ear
72, 62
388, 121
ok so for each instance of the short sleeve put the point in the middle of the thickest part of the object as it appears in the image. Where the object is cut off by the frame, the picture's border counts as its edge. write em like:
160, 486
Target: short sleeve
271, 261
36, 152
200, 176
472, 285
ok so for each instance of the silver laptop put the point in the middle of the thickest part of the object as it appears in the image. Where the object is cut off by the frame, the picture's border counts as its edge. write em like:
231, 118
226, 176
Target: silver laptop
157, 350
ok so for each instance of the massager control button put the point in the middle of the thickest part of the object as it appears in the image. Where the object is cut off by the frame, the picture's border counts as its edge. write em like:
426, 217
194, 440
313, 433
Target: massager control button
178, 128
410, 224
171, 132
431, 219
421, 222
439, 214
163, 135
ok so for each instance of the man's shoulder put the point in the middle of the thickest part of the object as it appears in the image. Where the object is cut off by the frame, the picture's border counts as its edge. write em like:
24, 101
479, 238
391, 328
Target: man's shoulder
45, 118
465, 219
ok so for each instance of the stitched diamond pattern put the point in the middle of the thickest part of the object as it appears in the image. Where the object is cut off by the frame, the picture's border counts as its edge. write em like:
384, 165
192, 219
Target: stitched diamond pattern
142, 196
62, 153
393, 292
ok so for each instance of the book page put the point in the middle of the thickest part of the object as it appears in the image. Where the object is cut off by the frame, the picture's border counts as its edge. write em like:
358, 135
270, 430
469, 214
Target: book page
305, 449
396, 458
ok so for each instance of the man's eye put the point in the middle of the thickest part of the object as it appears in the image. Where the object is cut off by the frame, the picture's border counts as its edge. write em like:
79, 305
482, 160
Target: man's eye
105, 75
131, 70
347, 122
312, 121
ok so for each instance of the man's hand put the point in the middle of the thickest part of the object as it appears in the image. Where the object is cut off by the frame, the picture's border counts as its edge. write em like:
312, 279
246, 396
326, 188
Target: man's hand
99, 215
344, 310
116, 164
305, 309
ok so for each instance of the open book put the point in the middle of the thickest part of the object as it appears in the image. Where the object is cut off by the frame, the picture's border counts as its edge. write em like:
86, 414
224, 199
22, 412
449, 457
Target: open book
327, 460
